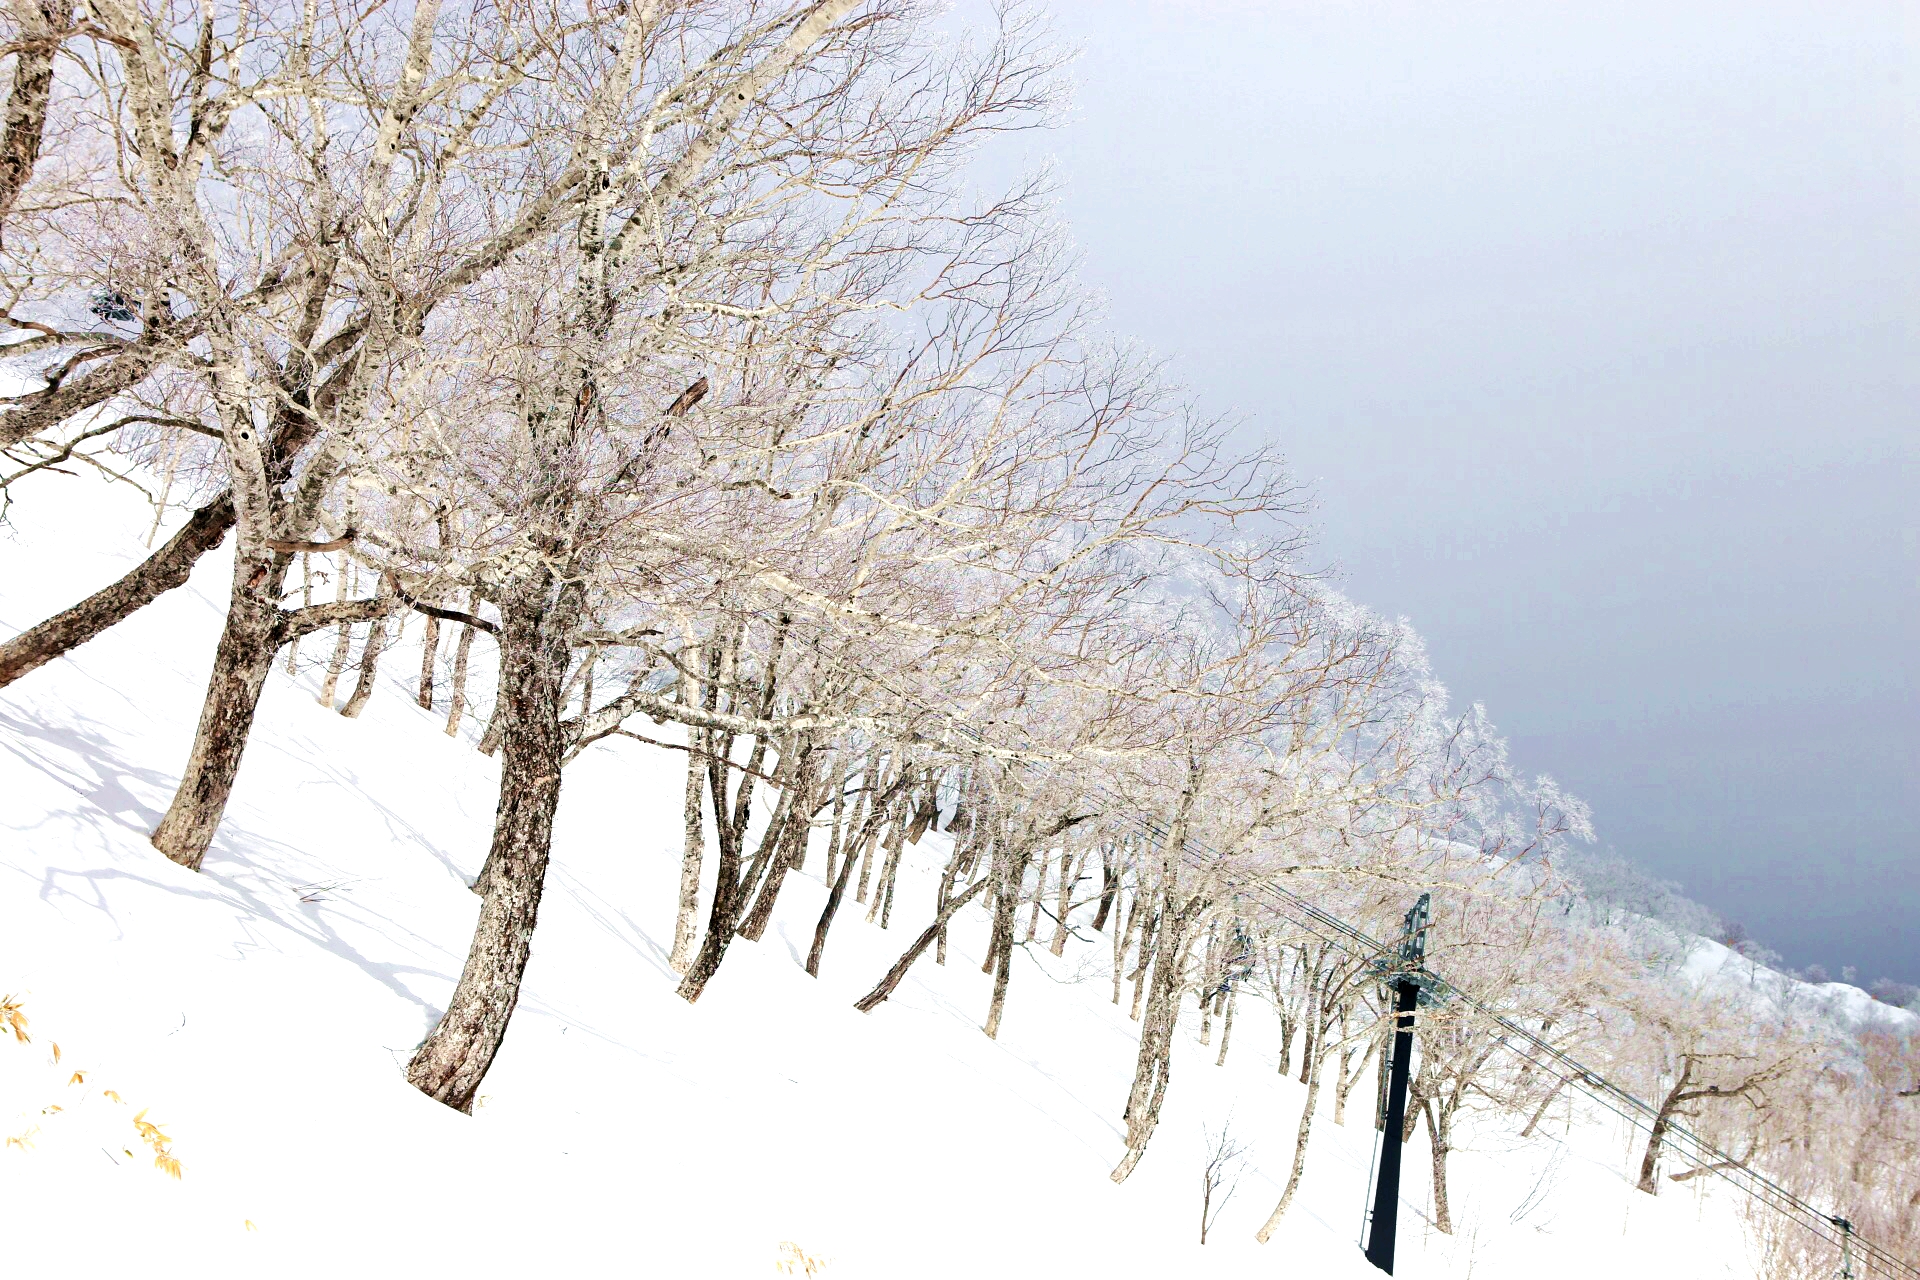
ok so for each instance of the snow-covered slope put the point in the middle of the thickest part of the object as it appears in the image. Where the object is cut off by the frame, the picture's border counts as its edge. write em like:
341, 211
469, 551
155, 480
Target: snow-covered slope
260, 1012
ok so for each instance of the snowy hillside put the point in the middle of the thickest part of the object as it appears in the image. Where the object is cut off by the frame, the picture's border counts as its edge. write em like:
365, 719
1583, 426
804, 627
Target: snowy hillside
261, 1012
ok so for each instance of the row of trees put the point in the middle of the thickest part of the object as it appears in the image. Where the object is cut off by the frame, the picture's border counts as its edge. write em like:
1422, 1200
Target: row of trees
659, 354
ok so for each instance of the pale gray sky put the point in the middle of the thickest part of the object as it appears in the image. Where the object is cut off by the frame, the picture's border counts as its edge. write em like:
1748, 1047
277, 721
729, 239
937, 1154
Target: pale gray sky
1596, 329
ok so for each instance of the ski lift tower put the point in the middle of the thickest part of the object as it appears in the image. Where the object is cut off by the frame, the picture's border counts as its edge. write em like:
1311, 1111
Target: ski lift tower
1405, 971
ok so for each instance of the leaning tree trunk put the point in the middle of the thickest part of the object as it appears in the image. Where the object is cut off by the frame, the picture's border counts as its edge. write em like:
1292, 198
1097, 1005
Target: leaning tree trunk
1314, 1054
1109, 886
835, 896
733, 883
793, 824
1006, 902
161, 572
891, 981
377, 641
241, 664
1663, 1121
1226, 1028
1440, 1131
1153, 1066
462, 651
534, 647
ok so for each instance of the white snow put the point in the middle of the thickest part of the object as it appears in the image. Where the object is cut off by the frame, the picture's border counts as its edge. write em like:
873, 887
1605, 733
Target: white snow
261, 1012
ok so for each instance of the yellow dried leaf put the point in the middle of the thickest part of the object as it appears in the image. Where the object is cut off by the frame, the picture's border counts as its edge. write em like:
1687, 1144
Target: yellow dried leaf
56, 1052
12, 1019
108, 1093
250, 1225
78, 1077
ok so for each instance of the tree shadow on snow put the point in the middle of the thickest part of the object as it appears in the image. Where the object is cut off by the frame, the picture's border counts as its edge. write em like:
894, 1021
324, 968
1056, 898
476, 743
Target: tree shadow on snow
83, 759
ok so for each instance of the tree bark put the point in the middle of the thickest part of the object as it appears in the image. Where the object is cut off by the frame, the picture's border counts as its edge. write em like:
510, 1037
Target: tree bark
888, 984
1068, 879
429, 650
1541, 1110
1153, 1065
1149, 930
369, 669
835, 896
241, 663
686, 924
26, 119
873, 809
1440, 1132
733, 882
1109, 886
792, 825
1305, 1131
1006, 902
1226, 1028
888, 882
1662, 1121
1344, 1083
342, 640
457, 692
535, 641
159, 573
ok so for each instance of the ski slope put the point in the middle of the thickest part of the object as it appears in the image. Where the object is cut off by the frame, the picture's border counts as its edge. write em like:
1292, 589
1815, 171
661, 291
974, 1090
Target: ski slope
261, 1013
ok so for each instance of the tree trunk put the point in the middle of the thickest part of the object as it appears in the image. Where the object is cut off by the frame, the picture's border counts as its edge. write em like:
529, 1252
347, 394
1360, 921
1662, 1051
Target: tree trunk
342, 640
457, 692
886, 986
949, 877
26, 115
1441, 1134
1109, 886
496, 727
1122, 937
1149, 928
896, 839
1153, 1065
1345, 1083
1068, 879
1299, 1148
835, 896
686, 920
866, 850
1309, 1042
241, 663
1226, 1028
429, 651
1541, 1110
838, 826
794, 823
535, 641
1661, 1123
369, 669
733, 882
1006, 902
306, 599
891, 879
159, 573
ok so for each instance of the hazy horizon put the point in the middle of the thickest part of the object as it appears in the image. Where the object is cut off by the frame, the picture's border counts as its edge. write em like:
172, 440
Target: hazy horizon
1594, 333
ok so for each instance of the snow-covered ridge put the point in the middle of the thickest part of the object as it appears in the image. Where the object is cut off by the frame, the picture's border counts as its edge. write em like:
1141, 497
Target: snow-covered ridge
260, 1014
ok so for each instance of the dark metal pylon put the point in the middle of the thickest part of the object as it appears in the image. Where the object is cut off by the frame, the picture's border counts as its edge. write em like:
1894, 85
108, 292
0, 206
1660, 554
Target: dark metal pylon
1383, 1221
